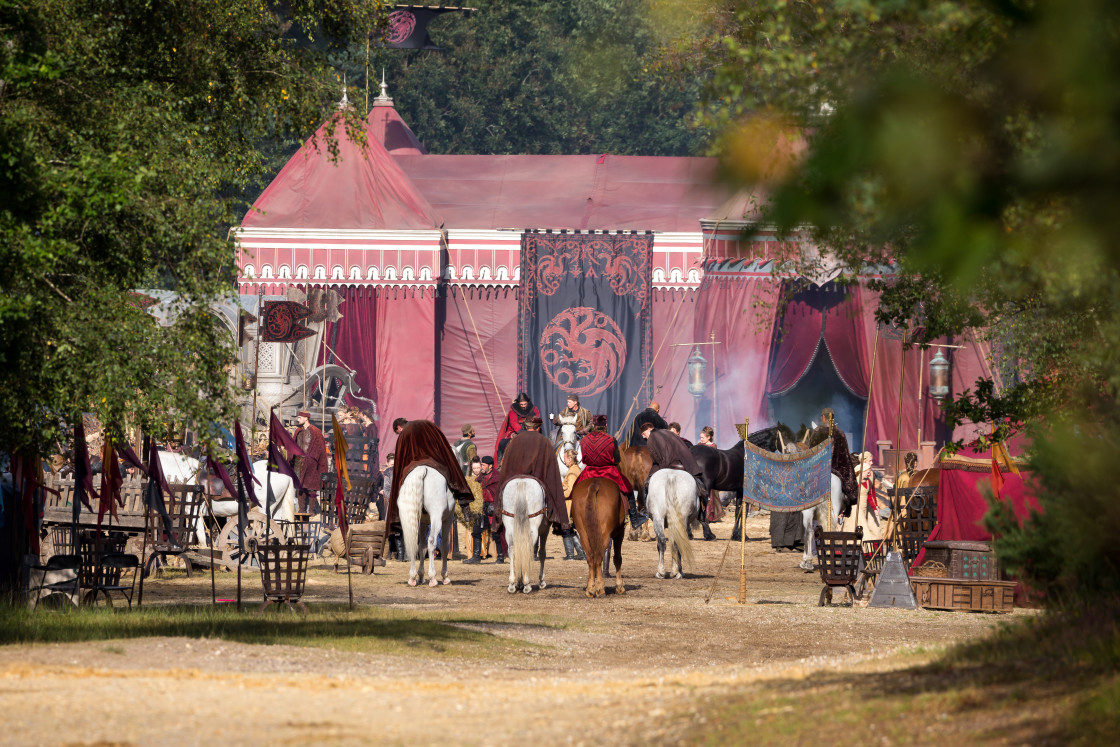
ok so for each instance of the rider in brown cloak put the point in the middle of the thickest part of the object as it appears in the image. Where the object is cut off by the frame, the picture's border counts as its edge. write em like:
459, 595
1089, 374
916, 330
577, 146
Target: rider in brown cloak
531, 454
422, 444
669, 451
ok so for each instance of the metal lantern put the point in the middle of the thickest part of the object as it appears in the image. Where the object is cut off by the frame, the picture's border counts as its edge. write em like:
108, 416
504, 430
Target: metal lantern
939, 376
697, 368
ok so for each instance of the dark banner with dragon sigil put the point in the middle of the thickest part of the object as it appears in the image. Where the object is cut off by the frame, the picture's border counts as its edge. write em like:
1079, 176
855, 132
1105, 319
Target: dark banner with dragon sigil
584, 326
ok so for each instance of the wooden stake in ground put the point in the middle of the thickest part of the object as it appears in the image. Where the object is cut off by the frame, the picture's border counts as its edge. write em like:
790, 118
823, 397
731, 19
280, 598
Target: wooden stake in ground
209, 534
743, 536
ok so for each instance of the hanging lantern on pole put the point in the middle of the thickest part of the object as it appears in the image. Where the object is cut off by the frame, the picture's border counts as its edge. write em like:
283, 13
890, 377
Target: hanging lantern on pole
939, 376
697, 368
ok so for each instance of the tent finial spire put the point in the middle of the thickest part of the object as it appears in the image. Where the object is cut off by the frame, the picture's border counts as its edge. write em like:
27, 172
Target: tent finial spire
383, 98
345, 101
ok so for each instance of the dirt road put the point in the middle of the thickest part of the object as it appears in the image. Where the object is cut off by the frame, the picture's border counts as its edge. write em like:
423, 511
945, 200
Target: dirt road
644, 666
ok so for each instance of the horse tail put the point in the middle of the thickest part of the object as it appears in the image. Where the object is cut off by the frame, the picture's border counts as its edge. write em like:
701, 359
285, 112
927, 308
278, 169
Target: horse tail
522, 552
409, 504
678, 533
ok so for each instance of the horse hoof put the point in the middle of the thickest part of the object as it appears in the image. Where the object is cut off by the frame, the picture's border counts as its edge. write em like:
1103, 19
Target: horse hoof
620, 590
412, 582
659, 574
512, 588
527, 589
543, 584
806, 565
446, 581
590, 594
678, 576
433, 582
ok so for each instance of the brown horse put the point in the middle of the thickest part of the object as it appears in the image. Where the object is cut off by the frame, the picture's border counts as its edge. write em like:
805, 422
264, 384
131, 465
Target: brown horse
635, 463
600, 518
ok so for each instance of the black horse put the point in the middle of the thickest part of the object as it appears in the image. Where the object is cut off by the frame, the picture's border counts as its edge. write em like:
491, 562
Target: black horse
723, 468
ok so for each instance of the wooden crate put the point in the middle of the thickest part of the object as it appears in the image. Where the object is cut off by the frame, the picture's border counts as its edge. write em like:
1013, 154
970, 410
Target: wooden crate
957, 594
970, 561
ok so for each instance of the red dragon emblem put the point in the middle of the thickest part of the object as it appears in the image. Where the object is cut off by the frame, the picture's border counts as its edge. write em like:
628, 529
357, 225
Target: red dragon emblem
582, 351
401, 25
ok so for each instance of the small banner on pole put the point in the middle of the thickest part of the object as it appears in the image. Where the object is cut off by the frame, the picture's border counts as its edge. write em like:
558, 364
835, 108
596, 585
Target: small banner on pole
282, 321
787, 482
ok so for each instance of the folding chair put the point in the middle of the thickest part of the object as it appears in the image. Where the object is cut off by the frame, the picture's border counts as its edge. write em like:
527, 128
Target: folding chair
110, 569
58, 574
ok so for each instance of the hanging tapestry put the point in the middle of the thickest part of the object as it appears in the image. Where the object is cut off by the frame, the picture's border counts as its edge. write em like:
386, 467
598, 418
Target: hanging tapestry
584, 320
787, 482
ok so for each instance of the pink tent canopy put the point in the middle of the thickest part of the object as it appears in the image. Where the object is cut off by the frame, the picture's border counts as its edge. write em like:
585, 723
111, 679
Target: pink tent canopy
574, 192
363, 188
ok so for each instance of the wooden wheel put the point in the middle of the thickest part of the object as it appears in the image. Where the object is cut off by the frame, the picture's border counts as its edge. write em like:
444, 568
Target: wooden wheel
826, 597
226, 545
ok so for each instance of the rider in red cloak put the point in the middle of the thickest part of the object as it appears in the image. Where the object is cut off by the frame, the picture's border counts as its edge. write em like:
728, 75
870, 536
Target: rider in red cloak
600, 456
521, 410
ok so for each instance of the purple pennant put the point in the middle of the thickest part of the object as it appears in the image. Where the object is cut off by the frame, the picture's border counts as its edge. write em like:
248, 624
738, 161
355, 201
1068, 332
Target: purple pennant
279, 464
278, 433
217, 468
245, 465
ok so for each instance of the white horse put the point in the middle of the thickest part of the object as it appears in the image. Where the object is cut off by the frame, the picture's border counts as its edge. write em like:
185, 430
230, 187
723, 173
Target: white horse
819, 515
181, 469
424, 489
568, 440
522, 515
672, 502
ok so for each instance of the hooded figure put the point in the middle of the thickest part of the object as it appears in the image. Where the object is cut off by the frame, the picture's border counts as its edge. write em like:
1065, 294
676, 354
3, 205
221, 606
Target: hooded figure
530, 454
422, 444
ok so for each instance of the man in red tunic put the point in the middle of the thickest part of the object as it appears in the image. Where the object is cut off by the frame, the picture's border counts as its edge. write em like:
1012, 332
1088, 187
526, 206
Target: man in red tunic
311, 467
600, 458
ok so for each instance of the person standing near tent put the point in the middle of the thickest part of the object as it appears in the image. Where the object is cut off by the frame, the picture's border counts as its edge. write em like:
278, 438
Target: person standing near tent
465, 449
520, 410
310, 467
649, 416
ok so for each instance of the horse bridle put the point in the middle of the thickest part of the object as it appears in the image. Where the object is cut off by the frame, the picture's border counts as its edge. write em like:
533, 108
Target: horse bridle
530, 516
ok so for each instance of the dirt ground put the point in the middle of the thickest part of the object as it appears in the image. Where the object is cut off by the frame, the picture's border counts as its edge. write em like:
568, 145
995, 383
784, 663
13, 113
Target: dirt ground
645, 666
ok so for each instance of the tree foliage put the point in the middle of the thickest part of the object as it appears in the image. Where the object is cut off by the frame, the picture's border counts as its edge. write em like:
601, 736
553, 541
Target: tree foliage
975, 145
562, 77
129, 130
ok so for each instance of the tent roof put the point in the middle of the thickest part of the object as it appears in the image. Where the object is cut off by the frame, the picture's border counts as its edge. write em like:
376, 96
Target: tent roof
391, 131
654, 193
363, 189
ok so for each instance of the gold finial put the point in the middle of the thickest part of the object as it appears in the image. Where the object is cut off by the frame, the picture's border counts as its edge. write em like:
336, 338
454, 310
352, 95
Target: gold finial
743, 427
831, 423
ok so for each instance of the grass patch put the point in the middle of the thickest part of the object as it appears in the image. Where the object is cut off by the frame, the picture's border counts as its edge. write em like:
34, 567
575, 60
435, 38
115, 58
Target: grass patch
1050, 679
366, 629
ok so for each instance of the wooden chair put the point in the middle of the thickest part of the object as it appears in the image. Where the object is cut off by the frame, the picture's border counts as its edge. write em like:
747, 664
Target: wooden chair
58, 574
183, 508
110, 569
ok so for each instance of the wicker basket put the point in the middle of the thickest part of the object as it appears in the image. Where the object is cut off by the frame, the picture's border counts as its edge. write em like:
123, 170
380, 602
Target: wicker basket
932, 569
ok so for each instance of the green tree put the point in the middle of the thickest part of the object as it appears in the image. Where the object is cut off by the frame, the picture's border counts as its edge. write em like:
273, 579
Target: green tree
129, 132
975, 145
527, 77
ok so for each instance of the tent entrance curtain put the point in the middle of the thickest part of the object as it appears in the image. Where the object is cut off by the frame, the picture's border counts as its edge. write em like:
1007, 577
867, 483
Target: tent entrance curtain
831, 317
584, 320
